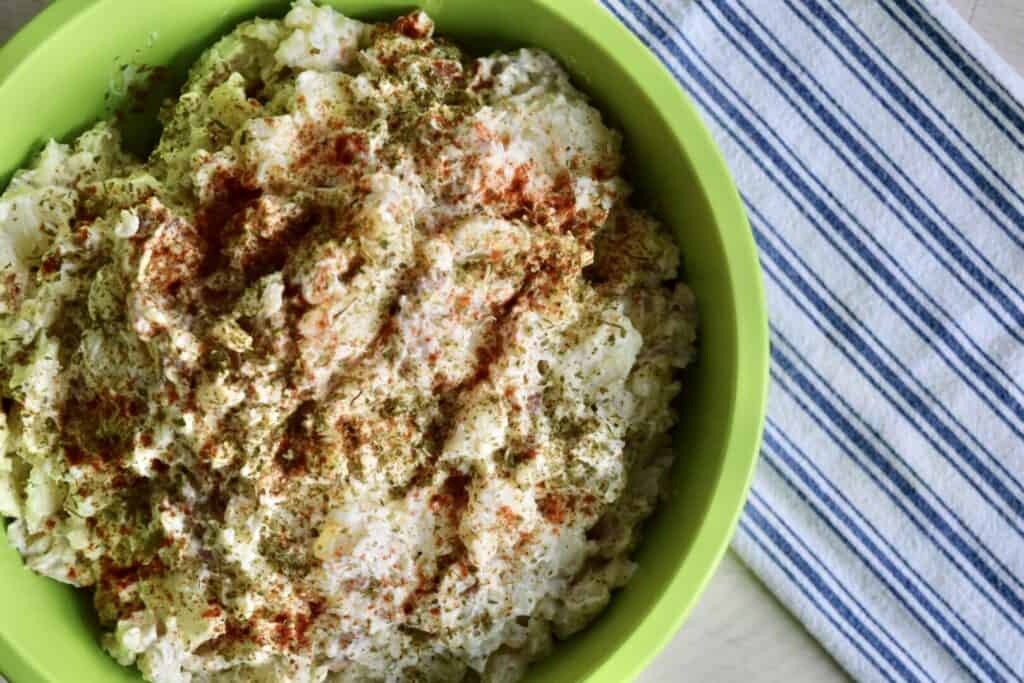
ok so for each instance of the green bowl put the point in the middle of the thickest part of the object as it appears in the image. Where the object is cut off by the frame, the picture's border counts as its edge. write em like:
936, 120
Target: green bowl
54, 76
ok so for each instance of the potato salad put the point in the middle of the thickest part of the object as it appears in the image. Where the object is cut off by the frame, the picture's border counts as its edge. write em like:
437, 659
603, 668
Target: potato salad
364, 374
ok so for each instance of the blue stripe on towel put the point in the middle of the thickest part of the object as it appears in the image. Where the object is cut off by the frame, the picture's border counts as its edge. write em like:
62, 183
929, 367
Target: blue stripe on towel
992, 91
881, 166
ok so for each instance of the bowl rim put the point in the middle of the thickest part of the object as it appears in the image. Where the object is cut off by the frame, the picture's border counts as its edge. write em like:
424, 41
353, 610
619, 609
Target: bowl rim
746, 417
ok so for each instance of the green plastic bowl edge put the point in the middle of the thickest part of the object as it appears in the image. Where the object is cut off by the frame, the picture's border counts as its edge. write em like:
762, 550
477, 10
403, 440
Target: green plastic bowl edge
665, 617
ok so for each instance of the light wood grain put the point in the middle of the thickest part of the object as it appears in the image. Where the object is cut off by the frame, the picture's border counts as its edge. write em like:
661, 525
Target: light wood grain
14, 13
738, 631
964, 7
1001, 22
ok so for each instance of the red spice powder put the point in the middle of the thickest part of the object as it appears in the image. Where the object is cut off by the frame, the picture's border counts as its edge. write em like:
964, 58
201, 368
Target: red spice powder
51, 264
508, 516
77, 457
411, 25
555, 507
453, 497
231, 196
348, 147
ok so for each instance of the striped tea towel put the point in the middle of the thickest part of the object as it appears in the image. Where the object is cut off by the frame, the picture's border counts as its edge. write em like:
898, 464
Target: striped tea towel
879, 147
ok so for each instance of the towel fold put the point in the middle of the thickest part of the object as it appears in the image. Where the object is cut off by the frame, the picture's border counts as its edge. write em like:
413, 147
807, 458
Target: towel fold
879, 147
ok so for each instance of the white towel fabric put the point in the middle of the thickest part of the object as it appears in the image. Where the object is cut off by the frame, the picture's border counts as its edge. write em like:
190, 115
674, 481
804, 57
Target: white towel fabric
879, 147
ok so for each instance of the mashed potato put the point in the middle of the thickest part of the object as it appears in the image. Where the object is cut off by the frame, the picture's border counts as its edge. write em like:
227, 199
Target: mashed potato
363, 375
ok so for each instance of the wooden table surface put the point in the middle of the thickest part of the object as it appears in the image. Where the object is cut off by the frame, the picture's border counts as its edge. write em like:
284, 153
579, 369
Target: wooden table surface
739, 631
